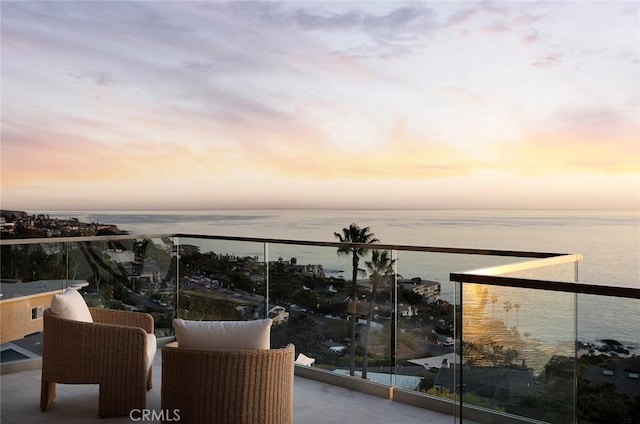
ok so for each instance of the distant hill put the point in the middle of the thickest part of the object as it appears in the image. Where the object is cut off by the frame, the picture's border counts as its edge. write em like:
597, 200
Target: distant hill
20, 224
8, 213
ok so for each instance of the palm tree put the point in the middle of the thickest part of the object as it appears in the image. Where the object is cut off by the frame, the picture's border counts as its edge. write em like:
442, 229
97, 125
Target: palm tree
494, 299
354, 234
507, 307
517, 307
380, 272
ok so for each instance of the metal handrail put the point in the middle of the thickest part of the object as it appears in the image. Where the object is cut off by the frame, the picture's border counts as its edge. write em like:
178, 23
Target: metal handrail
488, 276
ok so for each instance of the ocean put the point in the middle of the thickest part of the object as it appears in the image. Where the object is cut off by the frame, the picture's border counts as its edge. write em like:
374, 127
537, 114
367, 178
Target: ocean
608, 240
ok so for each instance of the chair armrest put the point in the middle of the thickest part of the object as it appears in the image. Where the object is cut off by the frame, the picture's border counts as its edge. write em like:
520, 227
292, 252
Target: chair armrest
125, 318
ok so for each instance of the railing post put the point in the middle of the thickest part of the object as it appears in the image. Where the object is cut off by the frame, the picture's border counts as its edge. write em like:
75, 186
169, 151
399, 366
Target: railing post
266, 279
457, 319
177, 308
575, 347
65, 251
176, 242
394, 315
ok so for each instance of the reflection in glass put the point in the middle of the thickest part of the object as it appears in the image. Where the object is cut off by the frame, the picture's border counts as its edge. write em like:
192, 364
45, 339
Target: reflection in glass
608, 357
221, 280
518, 351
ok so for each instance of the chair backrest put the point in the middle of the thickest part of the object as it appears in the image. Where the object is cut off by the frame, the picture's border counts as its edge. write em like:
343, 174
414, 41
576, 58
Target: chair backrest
64, 357
228, 386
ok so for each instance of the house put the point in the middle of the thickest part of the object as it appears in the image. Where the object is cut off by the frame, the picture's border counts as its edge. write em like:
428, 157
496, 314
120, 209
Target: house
407, 311
278, 314
437, 361
22, 305
430, 290
316, 271
120, 256
498, 383
623, 373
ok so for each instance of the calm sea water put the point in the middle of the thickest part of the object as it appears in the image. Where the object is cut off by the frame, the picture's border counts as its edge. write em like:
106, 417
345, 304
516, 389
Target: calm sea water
608, 240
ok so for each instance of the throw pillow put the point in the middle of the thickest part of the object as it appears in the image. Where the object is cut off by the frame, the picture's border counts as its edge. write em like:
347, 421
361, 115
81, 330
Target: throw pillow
223, 334
71, 305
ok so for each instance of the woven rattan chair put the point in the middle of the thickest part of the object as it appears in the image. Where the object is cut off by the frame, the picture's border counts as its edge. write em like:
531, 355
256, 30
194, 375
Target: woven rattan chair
228, 386
111, 352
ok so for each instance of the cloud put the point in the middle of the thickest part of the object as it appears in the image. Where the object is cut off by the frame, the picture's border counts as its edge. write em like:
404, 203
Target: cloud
548, 61
497, 26
531, 36
615, 130
461, 17
381, 49
595, 142
382, 31
101, 78
401, 155
68, 158
490, 16
203, 68
197, 92
398, 23
466, 96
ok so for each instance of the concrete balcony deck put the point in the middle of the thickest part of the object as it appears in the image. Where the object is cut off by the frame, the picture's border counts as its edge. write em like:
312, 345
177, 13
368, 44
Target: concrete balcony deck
314, 403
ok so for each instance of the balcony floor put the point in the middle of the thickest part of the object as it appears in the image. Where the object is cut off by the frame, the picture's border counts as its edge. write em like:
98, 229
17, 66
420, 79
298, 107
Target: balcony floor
314, 402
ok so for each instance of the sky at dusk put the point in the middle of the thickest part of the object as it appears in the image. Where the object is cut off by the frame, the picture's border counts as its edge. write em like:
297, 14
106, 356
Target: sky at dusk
114, 105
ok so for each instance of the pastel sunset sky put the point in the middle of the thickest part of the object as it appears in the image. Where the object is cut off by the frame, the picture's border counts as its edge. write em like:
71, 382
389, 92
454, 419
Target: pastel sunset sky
205, 105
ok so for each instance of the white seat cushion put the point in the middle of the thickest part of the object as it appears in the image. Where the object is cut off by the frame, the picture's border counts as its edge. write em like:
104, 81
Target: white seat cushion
224, 334
71, 305
152, 346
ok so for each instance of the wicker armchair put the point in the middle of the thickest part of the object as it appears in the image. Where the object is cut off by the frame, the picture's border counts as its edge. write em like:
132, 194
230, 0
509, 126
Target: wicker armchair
111, 352
228, 386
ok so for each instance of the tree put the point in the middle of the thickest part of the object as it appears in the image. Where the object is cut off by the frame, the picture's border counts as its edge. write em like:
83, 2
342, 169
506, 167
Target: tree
380, 272
350, 235
301, 330
488, 353
508, 306
603, 403
494, 299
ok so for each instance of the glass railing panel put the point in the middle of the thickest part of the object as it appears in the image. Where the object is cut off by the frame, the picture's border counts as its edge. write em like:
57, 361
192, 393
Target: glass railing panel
377, 318
30, 275
221, 280
518, 352
32, 262
428, 320
425, 319
505, 351
437, 266
310, 300
608, 355
134, 274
